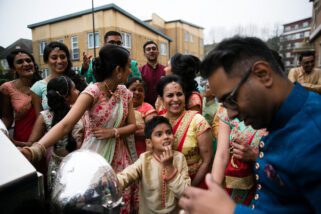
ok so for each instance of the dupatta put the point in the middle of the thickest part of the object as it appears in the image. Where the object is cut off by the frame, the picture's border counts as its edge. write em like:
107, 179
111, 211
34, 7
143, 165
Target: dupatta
180, 128
106, 147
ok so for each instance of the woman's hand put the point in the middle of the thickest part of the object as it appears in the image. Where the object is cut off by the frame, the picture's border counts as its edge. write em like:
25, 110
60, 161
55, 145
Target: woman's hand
103, 133
26, 153
243, 151
21, 144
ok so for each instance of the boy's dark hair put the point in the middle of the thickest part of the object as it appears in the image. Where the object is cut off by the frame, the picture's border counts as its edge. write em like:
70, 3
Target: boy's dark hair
111, 33
152, 123
305, 54
236, 54
148, 43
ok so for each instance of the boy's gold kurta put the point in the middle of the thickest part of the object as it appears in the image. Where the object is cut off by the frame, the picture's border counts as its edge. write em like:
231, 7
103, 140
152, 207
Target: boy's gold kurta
149, 172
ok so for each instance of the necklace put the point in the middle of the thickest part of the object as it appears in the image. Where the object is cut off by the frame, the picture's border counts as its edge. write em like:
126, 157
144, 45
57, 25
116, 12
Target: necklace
108, 89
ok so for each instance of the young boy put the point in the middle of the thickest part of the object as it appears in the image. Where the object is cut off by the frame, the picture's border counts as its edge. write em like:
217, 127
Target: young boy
162, 172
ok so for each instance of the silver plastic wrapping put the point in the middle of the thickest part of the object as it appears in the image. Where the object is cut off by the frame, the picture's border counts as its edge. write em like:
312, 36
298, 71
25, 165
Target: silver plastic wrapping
85, 182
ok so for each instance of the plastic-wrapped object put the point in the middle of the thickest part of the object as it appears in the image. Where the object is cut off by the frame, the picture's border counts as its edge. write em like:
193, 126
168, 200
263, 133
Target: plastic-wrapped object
85, 183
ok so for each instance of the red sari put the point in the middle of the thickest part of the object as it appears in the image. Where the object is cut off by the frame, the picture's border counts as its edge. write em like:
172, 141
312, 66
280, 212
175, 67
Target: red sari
140, 114
186, 129
24, 113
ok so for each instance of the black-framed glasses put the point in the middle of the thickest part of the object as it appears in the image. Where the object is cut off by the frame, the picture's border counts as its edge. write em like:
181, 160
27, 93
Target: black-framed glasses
113, 42
230, 101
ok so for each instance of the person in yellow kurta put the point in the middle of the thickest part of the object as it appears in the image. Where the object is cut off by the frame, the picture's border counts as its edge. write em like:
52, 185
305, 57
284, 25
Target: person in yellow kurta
161, 172
307, 75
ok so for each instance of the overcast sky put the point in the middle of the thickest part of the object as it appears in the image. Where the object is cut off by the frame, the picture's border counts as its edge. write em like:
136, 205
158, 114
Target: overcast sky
220, 18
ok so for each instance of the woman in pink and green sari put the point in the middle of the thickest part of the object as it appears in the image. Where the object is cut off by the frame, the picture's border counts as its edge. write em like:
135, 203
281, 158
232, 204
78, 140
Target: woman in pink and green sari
108, 115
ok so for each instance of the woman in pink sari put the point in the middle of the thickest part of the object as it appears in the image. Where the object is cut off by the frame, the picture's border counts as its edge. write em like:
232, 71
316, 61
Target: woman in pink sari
17, 101
108, 117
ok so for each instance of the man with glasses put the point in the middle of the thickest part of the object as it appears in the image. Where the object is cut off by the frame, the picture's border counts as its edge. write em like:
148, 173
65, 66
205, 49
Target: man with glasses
248, 81
307, 75
152, 71
111, 37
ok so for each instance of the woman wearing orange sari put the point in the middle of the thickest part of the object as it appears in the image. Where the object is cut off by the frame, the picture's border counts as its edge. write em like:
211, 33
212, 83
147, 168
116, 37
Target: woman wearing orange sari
192, 132
17, 100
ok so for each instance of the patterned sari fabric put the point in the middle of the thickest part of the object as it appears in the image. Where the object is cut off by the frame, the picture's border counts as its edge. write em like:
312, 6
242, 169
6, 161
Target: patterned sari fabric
24, 113
239, 178
110, 113
140, 114
187, 128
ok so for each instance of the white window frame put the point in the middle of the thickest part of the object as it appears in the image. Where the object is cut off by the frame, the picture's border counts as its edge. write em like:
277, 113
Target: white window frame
163, 48
90, 41
45, 73
74, 48
201, 42
186, 36
305, 24
42, 46
127, 40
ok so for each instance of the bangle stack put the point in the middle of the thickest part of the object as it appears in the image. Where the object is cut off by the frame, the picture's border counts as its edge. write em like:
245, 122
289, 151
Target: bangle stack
37, 151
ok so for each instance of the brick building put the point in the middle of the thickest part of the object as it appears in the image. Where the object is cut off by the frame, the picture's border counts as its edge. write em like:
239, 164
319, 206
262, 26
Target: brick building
293, 40
76, 31
315, 37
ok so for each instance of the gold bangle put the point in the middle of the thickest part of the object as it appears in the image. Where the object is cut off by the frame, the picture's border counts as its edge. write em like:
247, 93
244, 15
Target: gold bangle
31, 152
39, 151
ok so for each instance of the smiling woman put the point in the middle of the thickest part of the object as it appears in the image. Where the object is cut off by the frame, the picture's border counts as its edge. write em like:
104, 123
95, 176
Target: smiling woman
57, 56
16, 103
194, 138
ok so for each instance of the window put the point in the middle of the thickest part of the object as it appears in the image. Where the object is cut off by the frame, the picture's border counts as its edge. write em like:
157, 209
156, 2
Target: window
201, 42
307, 34
288, 46
74, 48
296, 26
186, 36
127, 39
191, 38
60, 40
42, 46
305, 24
288, 54
287, 28
91, 40
287, 63
163, 49
45, 73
